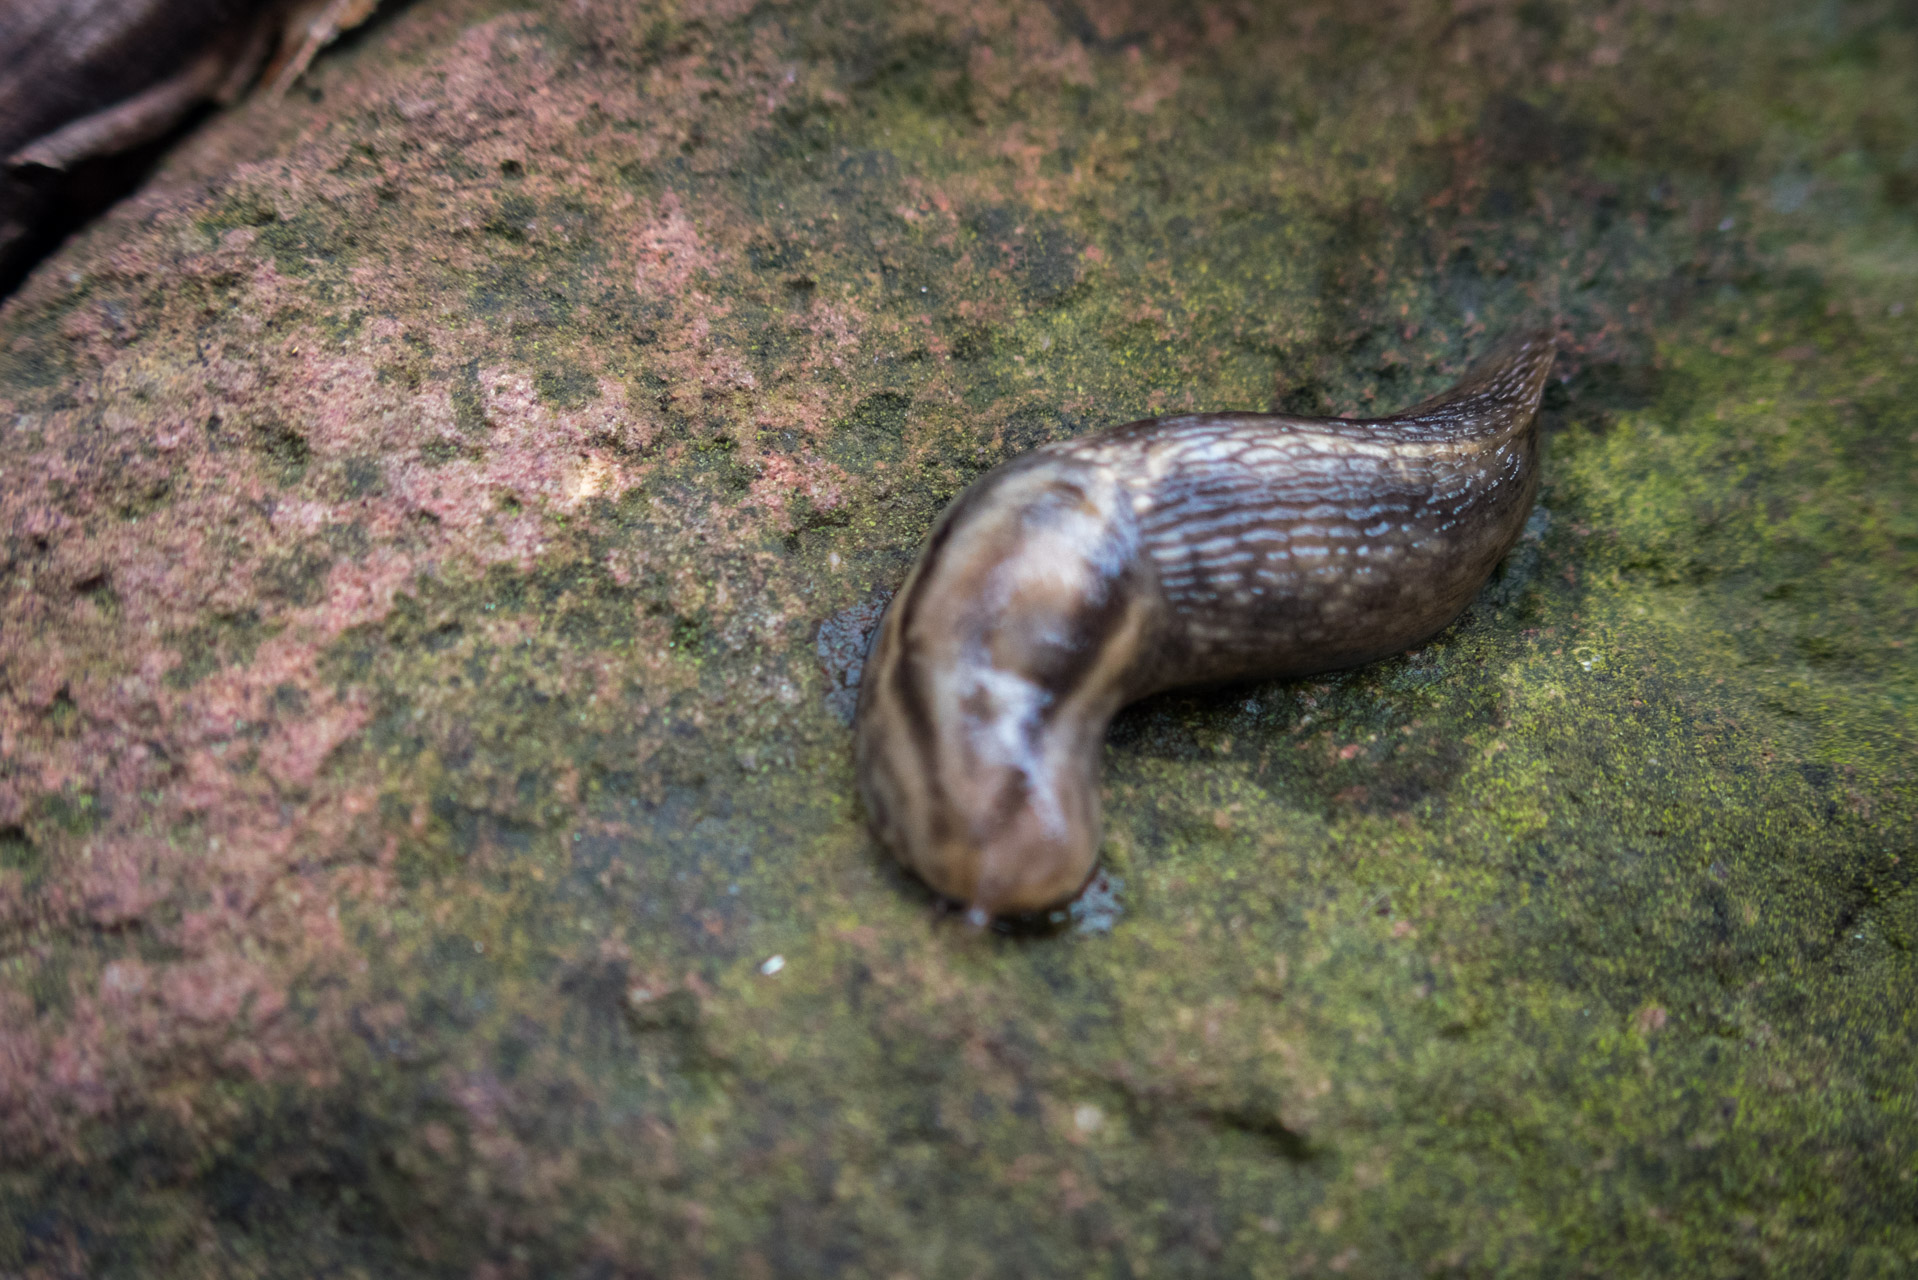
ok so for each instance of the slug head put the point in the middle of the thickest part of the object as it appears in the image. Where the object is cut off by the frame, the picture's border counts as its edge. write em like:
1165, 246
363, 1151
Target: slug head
991, 683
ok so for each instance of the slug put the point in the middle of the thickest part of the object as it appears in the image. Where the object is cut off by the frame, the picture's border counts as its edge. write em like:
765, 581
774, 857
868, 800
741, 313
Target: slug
1171, 552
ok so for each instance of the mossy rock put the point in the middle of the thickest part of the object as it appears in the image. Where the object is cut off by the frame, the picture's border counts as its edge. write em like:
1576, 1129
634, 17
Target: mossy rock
442, 506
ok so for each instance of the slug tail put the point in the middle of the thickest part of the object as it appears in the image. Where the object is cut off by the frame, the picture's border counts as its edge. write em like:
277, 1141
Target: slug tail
1498, 394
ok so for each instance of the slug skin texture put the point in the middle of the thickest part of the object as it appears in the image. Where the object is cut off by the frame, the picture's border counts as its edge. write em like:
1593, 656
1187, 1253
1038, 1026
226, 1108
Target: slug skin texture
1190, 550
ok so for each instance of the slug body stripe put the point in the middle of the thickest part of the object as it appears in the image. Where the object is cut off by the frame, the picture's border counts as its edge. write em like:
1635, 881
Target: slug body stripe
1170, 552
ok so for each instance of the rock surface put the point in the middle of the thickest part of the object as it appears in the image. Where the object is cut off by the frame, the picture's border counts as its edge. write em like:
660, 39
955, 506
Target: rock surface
422, 504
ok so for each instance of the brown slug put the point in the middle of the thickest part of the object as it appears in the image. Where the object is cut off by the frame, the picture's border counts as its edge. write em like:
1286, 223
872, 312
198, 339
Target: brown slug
1175, 551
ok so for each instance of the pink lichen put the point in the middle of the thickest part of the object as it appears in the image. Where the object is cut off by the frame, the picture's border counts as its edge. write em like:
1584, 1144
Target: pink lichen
247, 468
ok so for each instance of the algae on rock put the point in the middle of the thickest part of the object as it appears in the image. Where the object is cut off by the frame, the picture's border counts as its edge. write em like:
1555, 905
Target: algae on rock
422, 503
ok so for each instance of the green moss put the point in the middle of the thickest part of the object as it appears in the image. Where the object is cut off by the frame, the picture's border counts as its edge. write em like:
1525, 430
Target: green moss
1578, 941
221, 641
284, 449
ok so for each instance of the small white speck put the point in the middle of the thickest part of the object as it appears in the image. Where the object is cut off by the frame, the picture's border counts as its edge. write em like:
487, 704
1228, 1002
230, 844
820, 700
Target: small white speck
1586, 663
1727, 225
773, 965
1896, 309
1088, 1118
